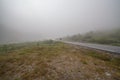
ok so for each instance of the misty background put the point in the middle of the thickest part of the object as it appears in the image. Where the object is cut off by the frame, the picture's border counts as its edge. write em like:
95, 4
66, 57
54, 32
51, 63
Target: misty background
33, 20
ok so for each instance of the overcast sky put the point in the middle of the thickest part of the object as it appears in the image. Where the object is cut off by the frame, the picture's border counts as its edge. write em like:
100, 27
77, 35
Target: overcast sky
24, 20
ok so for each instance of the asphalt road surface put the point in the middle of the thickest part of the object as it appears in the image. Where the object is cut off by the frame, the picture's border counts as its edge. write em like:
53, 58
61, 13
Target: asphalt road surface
112, 49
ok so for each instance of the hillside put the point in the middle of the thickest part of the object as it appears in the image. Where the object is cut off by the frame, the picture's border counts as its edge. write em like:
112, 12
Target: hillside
49, 60
111, 37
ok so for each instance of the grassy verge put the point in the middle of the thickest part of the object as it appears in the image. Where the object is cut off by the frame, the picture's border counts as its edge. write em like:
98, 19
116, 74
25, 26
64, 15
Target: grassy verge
49, 60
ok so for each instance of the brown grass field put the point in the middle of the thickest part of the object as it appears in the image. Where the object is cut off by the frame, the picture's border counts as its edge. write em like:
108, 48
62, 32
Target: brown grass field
58, 61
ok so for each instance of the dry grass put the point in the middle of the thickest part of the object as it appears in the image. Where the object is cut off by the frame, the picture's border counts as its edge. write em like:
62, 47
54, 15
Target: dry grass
58, 61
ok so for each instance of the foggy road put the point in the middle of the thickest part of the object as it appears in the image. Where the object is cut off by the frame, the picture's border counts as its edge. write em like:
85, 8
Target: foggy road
113, 49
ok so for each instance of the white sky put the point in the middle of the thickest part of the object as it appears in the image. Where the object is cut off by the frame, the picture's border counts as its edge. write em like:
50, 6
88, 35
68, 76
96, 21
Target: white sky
56, 18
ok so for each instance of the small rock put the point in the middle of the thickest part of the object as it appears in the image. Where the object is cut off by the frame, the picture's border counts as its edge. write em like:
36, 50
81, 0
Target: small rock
107, 74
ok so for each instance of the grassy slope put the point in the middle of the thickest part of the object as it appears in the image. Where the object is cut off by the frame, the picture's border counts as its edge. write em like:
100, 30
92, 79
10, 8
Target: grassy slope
58, 61
111, 37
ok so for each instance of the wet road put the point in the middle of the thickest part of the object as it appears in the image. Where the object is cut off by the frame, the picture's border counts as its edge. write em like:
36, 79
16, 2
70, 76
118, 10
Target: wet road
113, 49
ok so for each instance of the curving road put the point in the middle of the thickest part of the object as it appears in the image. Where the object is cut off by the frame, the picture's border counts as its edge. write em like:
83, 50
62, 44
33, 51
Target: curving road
113, 49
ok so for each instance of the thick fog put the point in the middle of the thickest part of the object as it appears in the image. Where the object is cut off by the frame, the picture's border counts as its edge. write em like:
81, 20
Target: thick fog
29, 20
